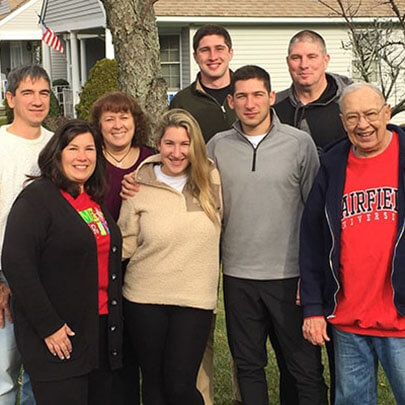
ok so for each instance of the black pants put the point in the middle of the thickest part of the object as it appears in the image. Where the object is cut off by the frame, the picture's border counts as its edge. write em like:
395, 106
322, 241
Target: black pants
254, 309
126, 386
94, 388
288, 389
169, 342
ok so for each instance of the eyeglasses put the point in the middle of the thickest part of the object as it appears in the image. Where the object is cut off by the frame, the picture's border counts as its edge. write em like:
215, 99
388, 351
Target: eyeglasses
370, 116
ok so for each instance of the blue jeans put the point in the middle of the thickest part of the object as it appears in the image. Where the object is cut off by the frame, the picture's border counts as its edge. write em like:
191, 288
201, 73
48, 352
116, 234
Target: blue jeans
357, 357
27, 396
10, 366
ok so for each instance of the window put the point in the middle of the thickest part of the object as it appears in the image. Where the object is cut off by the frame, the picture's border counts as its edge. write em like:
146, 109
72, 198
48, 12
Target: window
24, 53
170, 60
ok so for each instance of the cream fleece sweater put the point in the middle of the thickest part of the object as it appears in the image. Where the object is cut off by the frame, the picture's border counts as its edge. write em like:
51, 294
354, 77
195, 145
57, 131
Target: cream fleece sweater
172, 245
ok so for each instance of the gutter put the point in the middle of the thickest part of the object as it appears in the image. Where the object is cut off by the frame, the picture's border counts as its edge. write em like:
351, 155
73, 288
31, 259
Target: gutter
266, 20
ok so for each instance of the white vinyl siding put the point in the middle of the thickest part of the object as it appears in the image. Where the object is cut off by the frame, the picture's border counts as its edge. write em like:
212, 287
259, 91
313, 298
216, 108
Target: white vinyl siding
4, 7
185, 61
58, 65
24, 26
62, 15
266, 46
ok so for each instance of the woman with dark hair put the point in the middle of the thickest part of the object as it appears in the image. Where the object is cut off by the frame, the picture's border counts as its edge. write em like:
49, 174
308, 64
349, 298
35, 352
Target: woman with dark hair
125, 131
61, 257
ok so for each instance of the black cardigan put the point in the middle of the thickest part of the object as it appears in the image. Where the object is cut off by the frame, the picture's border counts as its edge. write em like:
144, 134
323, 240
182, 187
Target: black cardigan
50, 261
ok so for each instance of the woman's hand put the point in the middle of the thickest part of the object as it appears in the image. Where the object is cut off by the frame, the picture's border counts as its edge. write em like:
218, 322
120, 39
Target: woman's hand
59, 343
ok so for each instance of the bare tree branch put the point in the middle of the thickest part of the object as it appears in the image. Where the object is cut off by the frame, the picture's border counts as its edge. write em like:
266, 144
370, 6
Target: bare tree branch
378, 48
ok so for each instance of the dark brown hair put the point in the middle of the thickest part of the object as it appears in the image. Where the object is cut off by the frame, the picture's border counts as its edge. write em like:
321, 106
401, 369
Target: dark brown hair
211, 29
17, 75
250, 72
118, 101
50, 165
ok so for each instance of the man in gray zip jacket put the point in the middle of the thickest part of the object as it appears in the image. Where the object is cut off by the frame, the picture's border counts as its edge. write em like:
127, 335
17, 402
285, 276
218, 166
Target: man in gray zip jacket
267, 169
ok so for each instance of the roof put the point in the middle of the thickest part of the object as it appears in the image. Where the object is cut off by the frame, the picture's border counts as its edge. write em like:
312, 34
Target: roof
266, 8
12, 6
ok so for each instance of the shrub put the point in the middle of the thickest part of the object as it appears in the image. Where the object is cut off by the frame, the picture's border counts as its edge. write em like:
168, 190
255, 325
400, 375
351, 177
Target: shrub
52, 123
60, 82
9, 112
103, 78
54, 107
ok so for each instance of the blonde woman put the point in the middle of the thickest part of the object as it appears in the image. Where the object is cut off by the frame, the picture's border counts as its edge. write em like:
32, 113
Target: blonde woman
171, 231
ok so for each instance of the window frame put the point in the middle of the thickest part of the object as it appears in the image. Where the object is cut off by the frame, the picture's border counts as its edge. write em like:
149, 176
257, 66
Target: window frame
171, 63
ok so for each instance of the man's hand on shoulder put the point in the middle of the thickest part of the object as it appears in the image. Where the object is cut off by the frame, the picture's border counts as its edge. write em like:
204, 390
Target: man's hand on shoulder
129, 186
4, 305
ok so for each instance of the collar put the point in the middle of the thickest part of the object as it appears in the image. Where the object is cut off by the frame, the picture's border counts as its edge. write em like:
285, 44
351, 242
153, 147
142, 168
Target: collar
198, 85
339, 81
274, 126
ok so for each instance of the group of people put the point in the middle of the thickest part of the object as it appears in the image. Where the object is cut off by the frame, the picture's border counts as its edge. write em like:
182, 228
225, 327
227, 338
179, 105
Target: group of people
297, 196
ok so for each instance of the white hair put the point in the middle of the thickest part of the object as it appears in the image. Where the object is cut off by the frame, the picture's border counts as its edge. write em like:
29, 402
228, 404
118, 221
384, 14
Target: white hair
357, 86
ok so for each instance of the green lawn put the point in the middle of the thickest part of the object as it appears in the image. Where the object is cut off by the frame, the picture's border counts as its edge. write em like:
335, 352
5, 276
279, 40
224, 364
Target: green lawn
223, 370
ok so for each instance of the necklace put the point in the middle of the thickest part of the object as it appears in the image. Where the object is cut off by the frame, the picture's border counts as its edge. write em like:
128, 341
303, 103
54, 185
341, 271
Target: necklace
118, 161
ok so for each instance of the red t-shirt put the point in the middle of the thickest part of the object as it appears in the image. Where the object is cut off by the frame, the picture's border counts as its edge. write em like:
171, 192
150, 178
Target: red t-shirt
91, 213
369, 226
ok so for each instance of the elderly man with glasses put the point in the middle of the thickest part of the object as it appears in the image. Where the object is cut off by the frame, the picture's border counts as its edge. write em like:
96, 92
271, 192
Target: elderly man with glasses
352, 253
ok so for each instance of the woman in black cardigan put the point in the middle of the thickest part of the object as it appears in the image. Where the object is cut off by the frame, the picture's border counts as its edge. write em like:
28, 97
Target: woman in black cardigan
62, 257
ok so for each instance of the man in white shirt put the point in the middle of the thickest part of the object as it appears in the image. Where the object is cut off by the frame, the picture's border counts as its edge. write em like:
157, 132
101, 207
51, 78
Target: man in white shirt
28, 94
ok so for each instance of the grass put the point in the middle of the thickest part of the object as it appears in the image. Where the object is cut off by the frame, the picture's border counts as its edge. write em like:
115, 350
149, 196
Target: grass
223, 370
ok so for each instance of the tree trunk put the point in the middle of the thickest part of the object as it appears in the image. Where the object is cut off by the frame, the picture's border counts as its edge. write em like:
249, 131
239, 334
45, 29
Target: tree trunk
137, 51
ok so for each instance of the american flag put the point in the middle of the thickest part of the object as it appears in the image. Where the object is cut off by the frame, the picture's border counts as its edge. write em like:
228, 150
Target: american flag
52, 40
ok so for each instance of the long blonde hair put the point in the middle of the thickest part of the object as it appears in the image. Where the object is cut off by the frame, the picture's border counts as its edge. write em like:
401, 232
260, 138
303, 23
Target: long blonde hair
200, 168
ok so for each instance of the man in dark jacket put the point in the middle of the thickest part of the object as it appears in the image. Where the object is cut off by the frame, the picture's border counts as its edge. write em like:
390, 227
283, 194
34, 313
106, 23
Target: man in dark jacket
311, 103
352, 250
205, 98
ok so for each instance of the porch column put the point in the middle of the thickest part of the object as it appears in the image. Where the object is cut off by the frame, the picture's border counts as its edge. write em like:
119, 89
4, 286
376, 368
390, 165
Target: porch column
68, 60
109, 47
83, 62
46, 59
74, 51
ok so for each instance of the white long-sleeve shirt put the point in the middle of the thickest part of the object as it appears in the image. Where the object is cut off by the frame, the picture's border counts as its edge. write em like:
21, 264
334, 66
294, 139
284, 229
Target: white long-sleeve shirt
18, 157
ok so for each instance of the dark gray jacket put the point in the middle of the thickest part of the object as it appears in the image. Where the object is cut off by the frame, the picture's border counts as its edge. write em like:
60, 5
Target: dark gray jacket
320, 118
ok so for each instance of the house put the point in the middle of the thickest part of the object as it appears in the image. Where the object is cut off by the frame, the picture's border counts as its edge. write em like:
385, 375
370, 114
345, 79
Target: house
20, 36
260, 31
